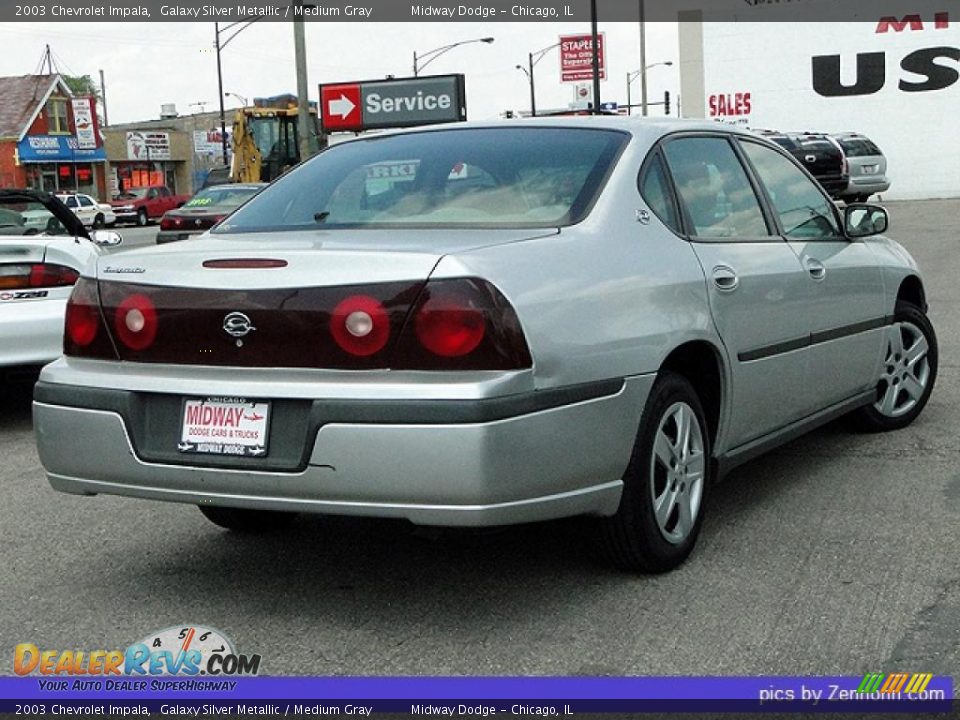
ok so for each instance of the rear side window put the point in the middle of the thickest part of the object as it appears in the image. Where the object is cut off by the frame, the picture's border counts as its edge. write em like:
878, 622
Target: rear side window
859, 147
804, 212
717, 196
656, 193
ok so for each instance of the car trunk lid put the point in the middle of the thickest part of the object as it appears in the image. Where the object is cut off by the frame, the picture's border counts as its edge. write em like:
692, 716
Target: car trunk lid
267, 301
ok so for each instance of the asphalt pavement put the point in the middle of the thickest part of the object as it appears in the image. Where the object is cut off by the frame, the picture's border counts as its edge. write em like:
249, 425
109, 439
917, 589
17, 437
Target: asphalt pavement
835, 554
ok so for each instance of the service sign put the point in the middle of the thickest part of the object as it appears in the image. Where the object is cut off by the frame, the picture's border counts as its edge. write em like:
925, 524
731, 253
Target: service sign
405, 102
576, 57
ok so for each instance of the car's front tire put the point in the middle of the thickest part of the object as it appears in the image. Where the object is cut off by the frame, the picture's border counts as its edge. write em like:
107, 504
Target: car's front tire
661, 508
247, 521
908, 373
142, 218
98, 222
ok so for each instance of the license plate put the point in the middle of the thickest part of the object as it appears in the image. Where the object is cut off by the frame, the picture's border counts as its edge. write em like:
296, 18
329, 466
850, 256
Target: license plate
225, 426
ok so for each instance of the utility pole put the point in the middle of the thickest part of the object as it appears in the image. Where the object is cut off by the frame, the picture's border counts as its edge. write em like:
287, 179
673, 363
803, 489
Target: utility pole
103, 98
223, 114
596, 56
643, 61
304, 130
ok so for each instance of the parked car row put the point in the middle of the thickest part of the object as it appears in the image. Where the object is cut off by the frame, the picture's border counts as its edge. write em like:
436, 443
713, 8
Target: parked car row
848, 165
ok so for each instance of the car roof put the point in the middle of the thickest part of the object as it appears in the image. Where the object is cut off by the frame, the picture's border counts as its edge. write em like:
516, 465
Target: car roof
645, 127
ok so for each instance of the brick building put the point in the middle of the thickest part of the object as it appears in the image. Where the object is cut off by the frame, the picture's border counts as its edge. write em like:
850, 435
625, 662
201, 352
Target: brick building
49, 139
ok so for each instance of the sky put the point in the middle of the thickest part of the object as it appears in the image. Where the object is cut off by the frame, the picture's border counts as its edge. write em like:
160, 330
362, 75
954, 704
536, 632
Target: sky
149, 64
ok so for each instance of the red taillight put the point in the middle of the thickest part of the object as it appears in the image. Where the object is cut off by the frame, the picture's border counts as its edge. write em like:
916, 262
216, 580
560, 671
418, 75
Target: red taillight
37, 276
84, 333
449, 324
47, 275
360, 325
135, 321
462, 324
82, 322
169, 223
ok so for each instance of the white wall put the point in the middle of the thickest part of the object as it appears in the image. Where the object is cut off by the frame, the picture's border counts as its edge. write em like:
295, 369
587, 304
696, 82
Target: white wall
919, 132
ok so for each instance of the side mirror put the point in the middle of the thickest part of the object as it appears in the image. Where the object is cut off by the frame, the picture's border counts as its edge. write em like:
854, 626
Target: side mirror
865, 220
106, 238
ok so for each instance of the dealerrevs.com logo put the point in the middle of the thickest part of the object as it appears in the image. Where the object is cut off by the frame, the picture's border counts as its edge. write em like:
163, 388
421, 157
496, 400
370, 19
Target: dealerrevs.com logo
188, 650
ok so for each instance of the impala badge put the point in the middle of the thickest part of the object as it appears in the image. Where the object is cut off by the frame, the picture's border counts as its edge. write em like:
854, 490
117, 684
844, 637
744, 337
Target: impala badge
237, 325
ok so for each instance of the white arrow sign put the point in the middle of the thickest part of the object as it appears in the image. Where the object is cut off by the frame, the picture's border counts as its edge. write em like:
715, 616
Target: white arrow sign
342, 106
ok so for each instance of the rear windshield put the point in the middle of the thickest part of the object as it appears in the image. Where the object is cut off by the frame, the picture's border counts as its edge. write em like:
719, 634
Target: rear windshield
859, 147
475, 178
226, 196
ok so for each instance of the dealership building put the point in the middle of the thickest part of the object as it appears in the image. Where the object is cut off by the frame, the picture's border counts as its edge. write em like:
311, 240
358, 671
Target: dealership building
892, 74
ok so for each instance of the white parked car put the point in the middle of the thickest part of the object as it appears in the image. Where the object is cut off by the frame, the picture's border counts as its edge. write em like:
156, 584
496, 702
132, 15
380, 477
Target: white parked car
44, 248
91, 213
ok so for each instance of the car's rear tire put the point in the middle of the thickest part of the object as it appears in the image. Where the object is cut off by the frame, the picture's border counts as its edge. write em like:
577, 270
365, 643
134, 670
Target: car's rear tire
247, 521
98, 222
908, 372
142, 218
666, 482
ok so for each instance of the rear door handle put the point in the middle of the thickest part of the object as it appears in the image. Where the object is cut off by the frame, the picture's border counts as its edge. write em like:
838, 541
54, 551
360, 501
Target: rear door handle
725, 278
816, 269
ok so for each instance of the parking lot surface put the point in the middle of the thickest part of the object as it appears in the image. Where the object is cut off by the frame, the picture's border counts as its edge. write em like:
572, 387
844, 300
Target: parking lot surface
835, 554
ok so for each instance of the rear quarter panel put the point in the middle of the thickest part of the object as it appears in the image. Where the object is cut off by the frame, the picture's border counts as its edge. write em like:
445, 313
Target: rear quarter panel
607, 298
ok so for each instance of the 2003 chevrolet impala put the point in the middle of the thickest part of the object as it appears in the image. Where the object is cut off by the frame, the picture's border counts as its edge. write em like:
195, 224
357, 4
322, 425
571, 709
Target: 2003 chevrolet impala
487, 324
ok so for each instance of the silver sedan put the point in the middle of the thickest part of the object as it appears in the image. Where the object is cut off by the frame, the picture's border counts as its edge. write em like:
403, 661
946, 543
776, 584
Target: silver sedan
487, 324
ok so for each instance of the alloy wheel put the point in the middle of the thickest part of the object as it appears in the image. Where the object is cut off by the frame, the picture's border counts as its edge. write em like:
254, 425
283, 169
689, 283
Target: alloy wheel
677, 470
906, 370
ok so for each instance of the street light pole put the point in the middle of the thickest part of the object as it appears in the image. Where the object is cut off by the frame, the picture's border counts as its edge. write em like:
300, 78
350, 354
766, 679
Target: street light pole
241, 98
642, 73
533, 92
532, 60
432, 55
223, 112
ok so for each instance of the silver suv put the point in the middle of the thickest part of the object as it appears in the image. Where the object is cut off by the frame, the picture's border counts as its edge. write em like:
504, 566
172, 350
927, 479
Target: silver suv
867, 167
491, 323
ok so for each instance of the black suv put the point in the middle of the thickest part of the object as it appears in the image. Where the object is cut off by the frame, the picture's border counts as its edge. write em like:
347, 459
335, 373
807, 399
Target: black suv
818, 153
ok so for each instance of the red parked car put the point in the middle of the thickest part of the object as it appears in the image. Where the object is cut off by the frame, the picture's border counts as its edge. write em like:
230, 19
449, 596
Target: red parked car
141, 205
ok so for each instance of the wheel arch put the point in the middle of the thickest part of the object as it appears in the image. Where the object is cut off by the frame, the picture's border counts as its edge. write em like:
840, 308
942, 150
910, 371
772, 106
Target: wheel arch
701, 363
911, 291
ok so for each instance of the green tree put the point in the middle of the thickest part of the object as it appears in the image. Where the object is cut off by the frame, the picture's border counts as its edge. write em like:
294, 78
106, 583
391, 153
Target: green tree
82, 85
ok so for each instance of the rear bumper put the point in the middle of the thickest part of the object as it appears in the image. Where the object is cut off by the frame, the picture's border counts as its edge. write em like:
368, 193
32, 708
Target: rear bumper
491, 461
31, 331
865, 185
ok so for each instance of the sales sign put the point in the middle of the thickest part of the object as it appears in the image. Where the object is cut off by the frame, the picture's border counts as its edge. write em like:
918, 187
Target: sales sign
576, 57
406, 102
84, 123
